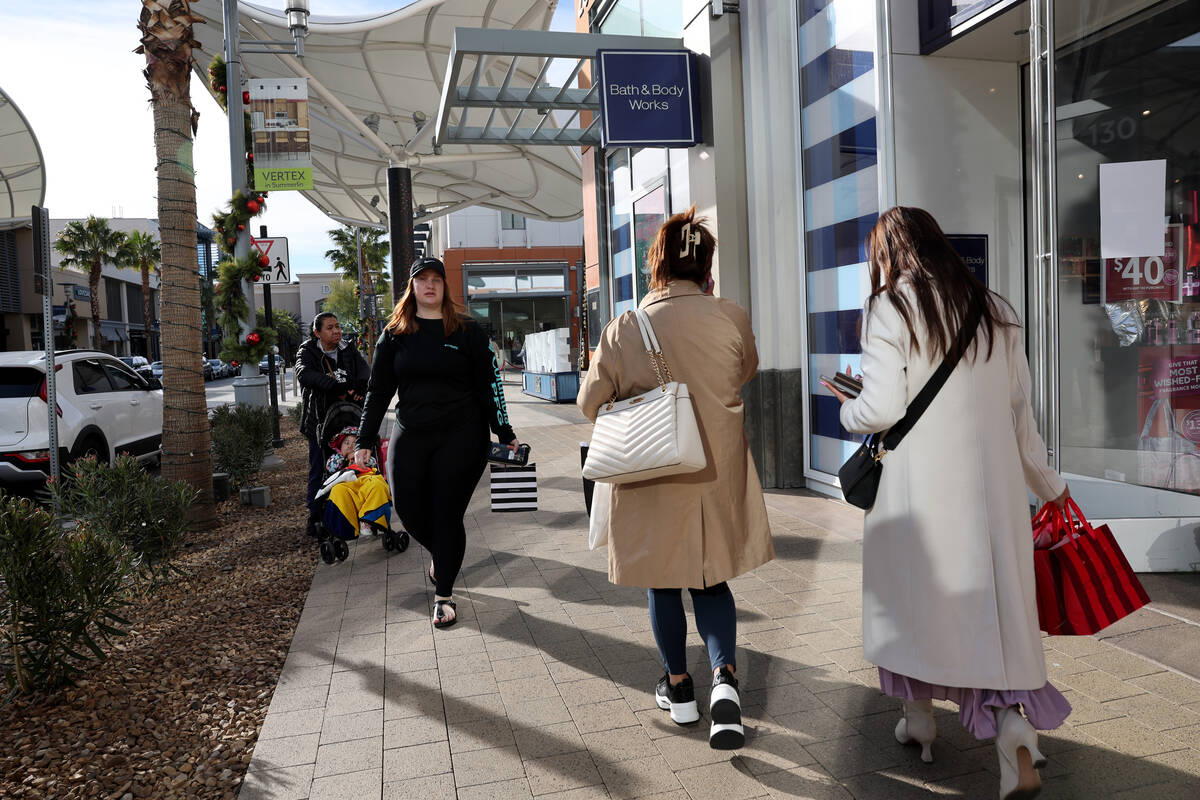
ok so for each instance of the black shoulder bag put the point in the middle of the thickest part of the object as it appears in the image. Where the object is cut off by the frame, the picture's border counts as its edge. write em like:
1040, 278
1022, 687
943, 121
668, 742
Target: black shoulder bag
861, 473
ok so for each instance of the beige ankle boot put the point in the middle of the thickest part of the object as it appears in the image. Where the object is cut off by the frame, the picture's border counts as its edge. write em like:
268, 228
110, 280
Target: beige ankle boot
1020, 759
917, 725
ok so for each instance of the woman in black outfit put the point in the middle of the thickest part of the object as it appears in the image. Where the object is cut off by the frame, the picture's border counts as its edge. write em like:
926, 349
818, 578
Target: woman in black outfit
439, 365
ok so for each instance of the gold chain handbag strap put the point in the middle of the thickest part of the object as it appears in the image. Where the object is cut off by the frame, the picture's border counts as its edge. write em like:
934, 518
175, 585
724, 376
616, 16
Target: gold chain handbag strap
653, 349
658, 362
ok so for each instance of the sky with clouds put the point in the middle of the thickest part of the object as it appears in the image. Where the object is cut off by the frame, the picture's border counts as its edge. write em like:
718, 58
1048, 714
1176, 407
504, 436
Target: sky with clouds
69, 66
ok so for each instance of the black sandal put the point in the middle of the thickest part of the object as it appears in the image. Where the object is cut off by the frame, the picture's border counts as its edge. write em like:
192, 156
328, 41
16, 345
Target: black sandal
439, 615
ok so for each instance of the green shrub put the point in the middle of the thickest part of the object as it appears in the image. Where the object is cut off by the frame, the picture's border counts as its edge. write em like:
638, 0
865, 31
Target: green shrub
60, 592
143, 512
241, 439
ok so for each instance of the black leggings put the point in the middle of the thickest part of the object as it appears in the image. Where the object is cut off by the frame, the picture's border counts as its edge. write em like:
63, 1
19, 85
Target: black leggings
433, 474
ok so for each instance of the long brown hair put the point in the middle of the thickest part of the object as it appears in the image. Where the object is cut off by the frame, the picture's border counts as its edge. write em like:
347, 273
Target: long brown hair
908, 244
404, 316
664, 259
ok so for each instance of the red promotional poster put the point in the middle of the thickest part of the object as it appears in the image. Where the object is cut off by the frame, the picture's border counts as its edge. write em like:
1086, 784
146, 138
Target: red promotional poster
1146, 277
1169, 417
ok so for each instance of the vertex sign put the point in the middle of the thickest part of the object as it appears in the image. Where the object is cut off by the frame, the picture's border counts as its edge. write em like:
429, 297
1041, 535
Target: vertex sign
649, 98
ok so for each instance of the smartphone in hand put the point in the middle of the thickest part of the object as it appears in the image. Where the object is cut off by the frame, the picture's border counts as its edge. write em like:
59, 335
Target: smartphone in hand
846, 384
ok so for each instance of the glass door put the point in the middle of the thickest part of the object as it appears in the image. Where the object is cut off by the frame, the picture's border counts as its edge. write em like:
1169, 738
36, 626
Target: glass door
1115, 289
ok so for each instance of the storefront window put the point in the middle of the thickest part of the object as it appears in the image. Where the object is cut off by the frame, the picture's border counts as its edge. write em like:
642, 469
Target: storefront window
649, 213
1129, 328
841, 202
620, 227
643, 18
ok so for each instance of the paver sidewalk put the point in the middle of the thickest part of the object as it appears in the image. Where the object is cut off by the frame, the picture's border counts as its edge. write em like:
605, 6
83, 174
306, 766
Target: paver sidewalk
545, 686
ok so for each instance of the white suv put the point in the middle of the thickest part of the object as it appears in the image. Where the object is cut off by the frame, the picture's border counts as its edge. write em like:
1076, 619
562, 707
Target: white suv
104, 408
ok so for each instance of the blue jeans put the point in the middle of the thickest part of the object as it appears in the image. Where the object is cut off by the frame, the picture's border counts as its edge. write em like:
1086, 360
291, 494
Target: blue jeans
716, 619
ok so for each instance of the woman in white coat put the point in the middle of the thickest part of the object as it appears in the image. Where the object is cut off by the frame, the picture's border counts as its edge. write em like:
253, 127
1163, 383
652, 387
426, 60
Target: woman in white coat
949, 609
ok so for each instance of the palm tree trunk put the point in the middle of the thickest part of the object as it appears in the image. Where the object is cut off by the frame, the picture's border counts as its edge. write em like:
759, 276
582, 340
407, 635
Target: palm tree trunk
94, 287
146, 308
187, 442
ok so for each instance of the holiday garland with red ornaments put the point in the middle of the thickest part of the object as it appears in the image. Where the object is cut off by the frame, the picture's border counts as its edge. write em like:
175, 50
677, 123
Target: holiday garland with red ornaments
231, 299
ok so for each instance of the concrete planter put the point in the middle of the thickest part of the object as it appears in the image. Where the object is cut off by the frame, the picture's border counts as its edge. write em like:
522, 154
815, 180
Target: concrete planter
258, 496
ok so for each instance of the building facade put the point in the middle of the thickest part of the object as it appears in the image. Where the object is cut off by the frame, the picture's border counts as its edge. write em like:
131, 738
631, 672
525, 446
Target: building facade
821, 114
515, 276
123, 330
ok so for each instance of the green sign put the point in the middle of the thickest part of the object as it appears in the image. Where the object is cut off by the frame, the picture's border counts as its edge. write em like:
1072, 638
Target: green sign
279, 180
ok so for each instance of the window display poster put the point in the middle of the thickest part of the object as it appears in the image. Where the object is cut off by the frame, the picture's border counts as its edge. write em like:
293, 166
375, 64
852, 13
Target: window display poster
1133, 195
280, 134
1169, 417
1145, 277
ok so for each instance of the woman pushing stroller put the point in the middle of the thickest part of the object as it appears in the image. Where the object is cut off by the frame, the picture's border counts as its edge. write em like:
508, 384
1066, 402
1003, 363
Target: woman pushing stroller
438, 364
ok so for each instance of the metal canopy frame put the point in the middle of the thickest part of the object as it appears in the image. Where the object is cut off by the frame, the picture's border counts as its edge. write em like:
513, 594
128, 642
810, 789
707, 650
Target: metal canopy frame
525, 59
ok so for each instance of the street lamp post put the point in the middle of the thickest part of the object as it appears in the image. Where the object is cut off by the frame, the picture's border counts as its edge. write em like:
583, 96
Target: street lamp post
251, 387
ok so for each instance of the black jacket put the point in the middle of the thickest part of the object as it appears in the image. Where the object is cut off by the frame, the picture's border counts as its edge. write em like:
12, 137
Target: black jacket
436, 379
324, 379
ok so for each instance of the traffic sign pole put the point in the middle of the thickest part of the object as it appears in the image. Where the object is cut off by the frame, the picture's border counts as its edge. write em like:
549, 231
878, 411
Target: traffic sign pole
278, 442
41, 249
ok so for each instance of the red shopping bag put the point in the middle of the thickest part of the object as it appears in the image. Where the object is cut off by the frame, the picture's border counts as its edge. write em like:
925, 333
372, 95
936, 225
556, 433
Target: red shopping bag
1084, 582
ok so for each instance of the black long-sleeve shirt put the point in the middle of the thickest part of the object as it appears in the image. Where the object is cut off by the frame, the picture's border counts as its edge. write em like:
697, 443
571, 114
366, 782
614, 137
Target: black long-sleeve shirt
436, 379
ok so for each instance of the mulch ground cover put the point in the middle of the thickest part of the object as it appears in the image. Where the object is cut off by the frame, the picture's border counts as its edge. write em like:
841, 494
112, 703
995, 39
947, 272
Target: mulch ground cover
176, 709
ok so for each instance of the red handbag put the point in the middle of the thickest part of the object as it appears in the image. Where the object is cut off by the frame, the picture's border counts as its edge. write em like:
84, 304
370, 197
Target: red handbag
1084, 582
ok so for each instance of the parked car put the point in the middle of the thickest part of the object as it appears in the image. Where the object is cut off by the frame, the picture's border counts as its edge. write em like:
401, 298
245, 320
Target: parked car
156, 370
104, 408
219, 368
207, 368
135, 362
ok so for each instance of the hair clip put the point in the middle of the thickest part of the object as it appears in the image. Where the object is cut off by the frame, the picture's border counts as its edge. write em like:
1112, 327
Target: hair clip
688, 240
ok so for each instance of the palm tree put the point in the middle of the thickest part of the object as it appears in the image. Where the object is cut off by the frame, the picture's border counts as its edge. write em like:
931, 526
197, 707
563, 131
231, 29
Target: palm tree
167, 42
90, 244
141, 251
344, 257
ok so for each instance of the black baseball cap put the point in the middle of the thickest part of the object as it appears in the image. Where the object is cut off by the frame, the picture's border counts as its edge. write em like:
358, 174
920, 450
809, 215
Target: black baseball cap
427, 262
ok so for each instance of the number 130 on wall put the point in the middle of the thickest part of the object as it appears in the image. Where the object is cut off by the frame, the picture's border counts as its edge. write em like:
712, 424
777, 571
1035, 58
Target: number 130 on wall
1145, 277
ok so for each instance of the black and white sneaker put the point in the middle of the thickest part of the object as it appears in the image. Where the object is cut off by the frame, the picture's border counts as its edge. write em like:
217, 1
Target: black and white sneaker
679, 699
725, 711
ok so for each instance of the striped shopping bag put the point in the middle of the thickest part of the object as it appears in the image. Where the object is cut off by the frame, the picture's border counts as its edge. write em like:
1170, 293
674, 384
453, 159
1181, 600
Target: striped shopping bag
1084, 582
514, 488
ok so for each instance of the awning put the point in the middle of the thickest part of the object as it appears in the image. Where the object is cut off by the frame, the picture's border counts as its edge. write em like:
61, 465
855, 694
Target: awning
22, 172
113, 331
505, 87
374, 89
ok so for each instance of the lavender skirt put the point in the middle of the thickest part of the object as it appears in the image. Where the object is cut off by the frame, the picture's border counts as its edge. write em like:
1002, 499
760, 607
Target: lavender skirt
1045, 708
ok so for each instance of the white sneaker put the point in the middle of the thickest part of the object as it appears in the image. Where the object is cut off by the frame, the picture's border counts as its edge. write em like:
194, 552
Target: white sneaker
725, 711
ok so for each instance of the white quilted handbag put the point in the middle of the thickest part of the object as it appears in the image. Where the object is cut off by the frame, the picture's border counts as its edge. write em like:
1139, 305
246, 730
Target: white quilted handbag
648, 436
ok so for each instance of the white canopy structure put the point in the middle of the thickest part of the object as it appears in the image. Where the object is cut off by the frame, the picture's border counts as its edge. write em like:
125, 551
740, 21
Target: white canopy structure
22, 171
374, 90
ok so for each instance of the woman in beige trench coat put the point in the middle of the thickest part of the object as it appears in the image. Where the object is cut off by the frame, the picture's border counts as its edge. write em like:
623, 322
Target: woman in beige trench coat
698, 530
948, 587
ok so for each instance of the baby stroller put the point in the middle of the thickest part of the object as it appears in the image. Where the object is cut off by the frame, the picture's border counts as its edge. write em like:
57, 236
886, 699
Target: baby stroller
341, 511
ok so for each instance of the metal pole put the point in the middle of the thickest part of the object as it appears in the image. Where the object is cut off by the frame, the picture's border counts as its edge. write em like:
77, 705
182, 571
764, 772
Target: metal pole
41, 244
358, 257
278, 441
400, 226
237, 146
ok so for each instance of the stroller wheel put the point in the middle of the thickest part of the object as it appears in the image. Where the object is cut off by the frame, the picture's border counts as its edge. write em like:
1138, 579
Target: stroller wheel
342, 549
389, 541
402, 541
327, 552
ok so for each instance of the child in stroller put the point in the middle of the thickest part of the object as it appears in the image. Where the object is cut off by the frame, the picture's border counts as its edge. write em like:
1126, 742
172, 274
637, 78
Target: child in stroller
352, 498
